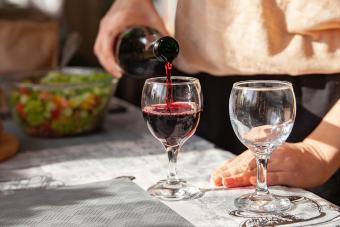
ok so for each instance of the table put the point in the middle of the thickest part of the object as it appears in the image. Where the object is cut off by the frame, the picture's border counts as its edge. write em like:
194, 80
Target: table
126, 148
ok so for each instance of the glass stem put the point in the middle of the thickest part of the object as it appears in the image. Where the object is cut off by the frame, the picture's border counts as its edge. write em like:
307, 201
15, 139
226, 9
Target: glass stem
261, 180
172, 169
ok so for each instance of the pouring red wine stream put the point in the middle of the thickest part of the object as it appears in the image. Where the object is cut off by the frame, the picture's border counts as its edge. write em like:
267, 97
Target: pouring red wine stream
169, 98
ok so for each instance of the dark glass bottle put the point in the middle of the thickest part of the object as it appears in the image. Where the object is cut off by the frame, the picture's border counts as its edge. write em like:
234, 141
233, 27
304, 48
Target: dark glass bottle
142, 51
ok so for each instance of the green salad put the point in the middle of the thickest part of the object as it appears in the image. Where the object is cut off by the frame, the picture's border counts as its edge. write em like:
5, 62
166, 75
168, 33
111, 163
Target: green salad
62, 104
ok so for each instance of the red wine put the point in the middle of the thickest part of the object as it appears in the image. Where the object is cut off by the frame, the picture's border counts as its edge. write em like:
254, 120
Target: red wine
172, 123
168, 69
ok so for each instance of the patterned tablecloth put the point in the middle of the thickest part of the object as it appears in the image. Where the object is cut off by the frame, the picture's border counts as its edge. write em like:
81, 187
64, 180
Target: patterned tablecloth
126, 148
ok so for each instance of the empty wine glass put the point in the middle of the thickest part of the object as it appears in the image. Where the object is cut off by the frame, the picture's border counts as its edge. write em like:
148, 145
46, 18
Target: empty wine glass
172, 112
262, 114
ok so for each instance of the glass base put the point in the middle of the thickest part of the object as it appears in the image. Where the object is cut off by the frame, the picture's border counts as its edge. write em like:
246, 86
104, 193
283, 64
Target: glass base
174, 191
265, 203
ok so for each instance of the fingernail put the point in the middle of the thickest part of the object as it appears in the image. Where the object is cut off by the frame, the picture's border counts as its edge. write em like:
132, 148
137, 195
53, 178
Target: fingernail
216, 180
229, 182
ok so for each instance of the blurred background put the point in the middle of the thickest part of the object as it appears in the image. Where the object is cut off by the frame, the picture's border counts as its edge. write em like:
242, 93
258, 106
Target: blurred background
33, 33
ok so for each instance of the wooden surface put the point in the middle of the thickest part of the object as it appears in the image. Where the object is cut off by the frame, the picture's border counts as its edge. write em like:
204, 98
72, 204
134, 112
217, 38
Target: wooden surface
9, 145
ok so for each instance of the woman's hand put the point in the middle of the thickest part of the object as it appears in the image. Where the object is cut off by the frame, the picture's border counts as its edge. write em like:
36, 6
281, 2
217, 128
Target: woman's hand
121, 15
292, 164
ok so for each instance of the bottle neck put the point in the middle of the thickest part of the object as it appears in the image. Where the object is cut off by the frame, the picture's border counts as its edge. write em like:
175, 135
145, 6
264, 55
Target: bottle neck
166, 49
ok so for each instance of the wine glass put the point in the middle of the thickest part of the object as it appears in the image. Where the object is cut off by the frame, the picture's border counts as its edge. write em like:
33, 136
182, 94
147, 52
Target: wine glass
172, 111
262, 114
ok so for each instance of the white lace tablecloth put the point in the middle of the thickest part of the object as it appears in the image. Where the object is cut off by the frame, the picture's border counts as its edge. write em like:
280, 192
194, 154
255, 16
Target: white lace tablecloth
126, 148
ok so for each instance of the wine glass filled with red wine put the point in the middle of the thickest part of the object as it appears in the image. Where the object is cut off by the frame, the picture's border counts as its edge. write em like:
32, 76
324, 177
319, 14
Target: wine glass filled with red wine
171, 109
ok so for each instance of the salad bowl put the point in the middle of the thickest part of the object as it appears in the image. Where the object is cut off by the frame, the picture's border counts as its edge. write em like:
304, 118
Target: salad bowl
58, 103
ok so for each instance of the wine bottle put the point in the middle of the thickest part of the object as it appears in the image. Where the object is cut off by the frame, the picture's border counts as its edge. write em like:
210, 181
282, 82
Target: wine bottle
142, 51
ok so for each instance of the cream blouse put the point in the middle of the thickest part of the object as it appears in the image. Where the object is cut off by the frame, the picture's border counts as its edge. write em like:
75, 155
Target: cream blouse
233, 37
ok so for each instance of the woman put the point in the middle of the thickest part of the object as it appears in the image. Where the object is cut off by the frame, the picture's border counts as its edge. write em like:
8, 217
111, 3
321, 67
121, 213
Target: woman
267, 39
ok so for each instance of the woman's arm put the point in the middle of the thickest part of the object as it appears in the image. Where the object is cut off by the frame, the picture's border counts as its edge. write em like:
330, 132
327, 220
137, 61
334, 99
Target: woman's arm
325, 140
306, 164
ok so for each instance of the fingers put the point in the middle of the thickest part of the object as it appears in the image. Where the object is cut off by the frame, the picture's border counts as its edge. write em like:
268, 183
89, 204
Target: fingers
216, 178
121, 15
236, 166
245, 159
233, 178
239, 180
217, 175
242, 163
104, 51
249, 178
